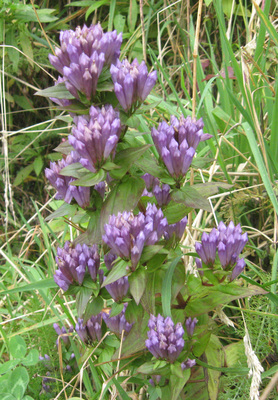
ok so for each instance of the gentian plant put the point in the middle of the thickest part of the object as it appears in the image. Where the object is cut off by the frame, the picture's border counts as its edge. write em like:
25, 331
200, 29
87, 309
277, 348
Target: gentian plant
127, 267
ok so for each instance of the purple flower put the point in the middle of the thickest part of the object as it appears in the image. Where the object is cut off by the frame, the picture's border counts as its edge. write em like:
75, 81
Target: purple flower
165, 339
95, 137
118, 323
118, 289
73, 262
61, 183
127, 234
188, 364
150, 181
190, 325
91, 331
162, 194
83, 54
228, 242
176, 143
132, 82
178, 229
155, 380
64, 333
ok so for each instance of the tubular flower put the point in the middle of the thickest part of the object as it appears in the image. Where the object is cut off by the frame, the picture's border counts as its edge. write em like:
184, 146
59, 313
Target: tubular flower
127, 234
63, 332
118, 289
190, 325
61, 183
176, 143
83, 54
95, 137
91, 331
165, 339
178, 229
118, 323
73, 262
228, 242
132, 82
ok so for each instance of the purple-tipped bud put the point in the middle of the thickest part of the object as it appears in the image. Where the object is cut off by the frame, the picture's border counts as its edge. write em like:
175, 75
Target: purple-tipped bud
118, 289
165, 339
73, 262
61, 183
83, 54
188, 364
126, 234
155, 380
178, 229
95, 137
190, 325
118, 323
91, 331
132, 82
176, 143
238, 269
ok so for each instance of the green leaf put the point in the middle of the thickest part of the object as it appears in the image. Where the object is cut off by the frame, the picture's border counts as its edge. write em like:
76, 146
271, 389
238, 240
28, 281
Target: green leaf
150, 251
125, 158
167, 288
215, 355
116, 309
82, 299
64, 209
137, 284
95, 6
59, 92
119, 22
26, 46
119, 270
93, 308
201, 343
197, 306
149, 165
133, 312
154, 367
123, 197
132, 15
73, 170
90, 179
64, 148
43, 284
190, 197
7, 396
32, 358
211, 188
148, 298
38, 165
19, 382
174, 212
177, 383
23, 174
17, 347
7, 366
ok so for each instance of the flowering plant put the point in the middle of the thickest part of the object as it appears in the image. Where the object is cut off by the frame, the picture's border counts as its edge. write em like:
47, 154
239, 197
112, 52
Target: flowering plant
128, 270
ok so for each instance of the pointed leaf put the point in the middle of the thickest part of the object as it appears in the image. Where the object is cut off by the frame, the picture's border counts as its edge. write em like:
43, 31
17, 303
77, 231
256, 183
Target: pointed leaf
59, 92
118, 271
82, 299
190, 197
137, 284
90, 179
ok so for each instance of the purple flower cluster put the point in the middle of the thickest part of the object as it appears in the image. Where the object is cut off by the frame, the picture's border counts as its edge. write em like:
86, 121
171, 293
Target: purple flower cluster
118, 323
132, 82
127, 234
94, 137
83, 54
63, 332
176, 143
165, 339
73, 263
91, 331
228, 242
61, 183
118, 289
178, 229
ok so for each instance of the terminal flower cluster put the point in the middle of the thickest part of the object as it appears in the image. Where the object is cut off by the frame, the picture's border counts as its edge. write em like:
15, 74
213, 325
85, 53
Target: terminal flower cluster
82, 55
66, 191
127, 234
95, 137
118, 323
228, 242
73, 263
91, 330
165, 339
132, 82
176, 143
